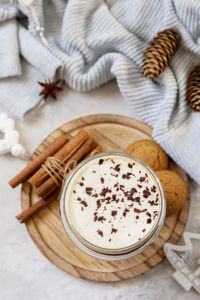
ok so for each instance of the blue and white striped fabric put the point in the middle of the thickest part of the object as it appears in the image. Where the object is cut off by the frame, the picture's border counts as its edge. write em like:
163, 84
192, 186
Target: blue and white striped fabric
92, 42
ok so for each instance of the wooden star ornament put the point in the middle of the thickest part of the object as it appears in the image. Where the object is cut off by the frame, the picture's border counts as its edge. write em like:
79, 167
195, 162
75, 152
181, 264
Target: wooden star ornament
184, 274
50, 89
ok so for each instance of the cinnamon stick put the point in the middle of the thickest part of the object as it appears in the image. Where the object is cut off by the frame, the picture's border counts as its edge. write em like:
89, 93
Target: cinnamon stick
63, 154
87, 149
29, 212
46, 188
36, 163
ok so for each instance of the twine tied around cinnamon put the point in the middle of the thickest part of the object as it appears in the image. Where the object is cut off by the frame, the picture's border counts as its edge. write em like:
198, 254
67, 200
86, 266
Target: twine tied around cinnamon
57, 169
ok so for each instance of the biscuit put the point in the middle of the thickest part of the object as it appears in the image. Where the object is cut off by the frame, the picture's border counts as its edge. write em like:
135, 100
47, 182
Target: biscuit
149, 152
175, 190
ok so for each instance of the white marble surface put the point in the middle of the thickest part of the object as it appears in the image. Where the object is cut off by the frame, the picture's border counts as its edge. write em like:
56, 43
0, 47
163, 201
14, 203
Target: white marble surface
25, 274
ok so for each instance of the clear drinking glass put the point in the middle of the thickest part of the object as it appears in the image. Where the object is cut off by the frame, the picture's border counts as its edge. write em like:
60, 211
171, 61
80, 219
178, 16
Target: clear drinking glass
103, 253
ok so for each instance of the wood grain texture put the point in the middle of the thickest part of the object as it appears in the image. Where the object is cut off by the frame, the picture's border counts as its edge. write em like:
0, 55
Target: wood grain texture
112, 133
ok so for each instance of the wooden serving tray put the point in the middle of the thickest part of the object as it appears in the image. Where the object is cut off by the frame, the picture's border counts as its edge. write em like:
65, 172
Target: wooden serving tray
113, 133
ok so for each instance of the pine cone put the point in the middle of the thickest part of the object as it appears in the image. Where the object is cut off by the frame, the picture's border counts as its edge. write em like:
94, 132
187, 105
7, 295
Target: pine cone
160, 52
193, 89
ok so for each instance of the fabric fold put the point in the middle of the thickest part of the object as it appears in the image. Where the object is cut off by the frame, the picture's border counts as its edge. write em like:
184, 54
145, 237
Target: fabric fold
34, 52
9, 49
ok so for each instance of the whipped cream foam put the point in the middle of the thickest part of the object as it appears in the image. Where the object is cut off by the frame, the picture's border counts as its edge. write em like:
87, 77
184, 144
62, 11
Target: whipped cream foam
113, 202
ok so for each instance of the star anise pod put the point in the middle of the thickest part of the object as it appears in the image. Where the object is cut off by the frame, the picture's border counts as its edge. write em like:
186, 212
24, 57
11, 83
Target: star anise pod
49, 89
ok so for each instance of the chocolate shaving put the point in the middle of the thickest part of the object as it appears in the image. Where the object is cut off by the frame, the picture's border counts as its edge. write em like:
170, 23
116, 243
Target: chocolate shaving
142, 179
152, 203
155, 214
117, 168
101, 219
98, 204
95, 195
105, 191
84, 203
113, 230
114, 175
126, 176
146, 193
133, 190
88, 190
138, 211
137, 199
113, 213
101, 161
126, 210
100, 232
102, 180
130, 198
114, 197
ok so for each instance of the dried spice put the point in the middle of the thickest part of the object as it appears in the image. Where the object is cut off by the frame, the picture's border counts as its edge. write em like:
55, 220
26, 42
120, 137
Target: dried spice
50, 89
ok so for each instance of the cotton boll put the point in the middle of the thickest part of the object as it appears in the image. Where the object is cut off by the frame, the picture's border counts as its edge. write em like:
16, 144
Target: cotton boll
12, 136
9, 124
10, 142
6, 123
4, 147
18, 150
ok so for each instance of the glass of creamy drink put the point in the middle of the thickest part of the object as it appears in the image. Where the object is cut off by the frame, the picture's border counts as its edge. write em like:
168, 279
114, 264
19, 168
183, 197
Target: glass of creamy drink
112, 206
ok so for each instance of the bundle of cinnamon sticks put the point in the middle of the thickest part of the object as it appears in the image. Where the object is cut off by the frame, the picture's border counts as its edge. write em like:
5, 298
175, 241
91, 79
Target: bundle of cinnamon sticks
75, 150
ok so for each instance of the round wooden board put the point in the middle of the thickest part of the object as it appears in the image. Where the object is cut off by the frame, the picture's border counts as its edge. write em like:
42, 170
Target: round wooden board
113, 133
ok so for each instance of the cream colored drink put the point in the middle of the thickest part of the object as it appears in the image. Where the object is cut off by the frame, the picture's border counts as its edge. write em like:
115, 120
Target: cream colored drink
113, 202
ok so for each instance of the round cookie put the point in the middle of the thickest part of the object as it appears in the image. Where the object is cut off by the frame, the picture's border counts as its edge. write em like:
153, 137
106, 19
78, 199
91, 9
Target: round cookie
149, 152
175, 190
